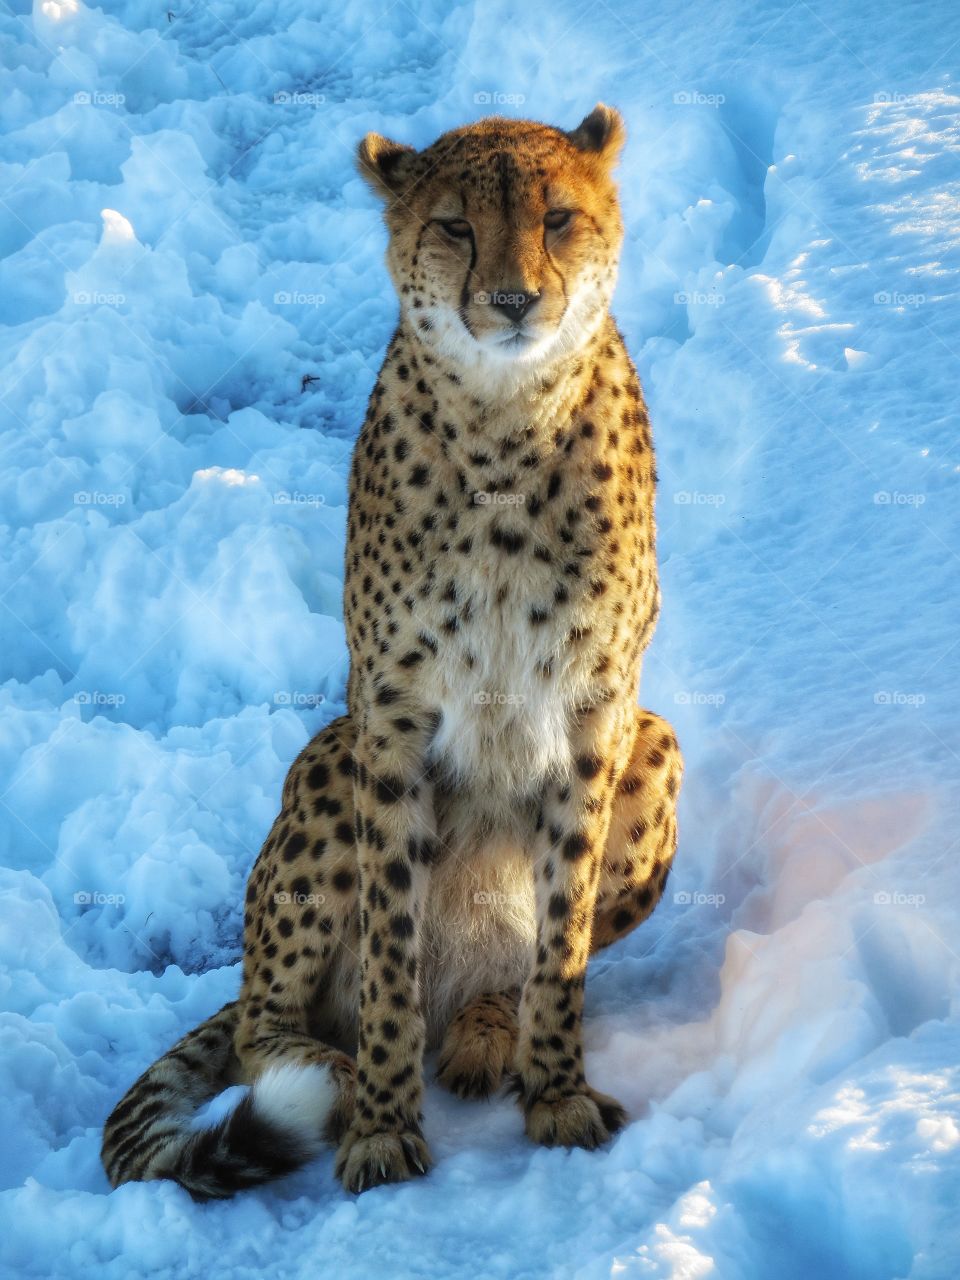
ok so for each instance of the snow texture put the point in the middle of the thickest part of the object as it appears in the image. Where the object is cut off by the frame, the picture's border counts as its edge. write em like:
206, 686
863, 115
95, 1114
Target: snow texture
194, 308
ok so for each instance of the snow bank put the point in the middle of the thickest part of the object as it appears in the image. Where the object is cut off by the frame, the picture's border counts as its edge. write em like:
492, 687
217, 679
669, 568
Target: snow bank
194, 310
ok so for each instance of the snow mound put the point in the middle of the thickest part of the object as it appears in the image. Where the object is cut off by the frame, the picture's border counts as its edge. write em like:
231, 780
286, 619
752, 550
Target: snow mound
194, 309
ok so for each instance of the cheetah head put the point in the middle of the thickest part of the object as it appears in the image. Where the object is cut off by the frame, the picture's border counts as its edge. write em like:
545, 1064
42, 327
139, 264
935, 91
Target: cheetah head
504, 236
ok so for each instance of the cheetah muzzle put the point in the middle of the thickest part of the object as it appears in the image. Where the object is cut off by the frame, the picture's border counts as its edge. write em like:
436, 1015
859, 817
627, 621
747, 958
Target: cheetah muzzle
494, 807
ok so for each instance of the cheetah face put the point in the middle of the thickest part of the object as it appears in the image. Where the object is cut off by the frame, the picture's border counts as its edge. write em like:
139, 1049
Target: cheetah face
504, 236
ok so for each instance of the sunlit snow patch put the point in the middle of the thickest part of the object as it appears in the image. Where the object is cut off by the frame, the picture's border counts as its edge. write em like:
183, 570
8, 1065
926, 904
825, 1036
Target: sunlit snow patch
116, 228
227, 475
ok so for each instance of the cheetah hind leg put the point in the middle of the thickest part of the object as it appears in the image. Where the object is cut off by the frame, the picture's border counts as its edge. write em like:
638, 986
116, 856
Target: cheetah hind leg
302, 1099
643, 832
478, 1047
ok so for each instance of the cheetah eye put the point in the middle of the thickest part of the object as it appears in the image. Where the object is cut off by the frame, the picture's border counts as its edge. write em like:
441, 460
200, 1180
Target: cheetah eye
459, 228
557, 219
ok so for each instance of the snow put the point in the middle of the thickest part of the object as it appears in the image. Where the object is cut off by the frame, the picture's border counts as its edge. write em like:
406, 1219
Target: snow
194, 309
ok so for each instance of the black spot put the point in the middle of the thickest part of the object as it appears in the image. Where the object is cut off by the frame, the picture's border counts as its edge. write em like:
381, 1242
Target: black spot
575, 846
389, 790
294, 846
318, 777
401, 925
508, 540
345, 766
342, 881
588, 766
398, 873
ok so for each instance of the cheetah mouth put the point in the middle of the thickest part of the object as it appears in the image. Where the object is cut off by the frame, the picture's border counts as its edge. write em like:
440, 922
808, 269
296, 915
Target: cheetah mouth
515, 341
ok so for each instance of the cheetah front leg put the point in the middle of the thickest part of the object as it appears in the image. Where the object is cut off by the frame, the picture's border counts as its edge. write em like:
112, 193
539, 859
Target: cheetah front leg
560, 1108
396, 845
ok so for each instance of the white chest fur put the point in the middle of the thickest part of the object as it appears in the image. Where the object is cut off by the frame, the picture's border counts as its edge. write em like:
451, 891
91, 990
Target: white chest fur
502, 683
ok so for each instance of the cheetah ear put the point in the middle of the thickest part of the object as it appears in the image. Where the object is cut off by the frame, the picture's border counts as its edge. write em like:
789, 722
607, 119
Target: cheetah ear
601, 133
384, 164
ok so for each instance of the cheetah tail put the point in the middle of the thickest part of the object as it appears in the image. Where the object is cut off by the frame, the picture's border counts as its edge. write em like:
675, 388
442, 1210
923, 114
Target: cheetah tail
278, 1126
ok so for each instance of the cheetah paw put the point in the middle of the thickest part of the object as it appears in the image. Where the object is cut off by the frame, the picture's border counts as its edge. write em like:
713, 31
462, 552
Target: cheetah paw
584, 1119
366, 1160
474, 1068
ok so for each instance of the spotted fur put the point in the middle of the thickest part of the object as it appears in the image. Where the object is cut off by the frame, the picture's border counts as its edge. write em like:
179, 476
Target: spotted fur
494, 807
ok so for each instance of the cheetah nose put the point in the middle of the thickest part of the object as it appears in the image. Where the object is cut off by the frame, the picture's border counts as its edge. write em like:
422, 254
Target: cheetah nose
513, 303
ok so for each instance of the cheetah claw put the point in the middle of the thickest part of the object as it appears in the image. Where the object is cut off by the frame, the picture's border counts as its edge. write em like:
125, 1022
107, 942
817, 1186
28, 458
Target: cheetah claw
369, 1159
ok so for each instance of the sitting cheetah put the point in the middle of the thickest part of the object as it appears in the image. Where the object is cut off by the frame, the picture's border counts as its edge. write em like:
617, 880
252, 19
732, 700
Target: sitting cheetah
494, 807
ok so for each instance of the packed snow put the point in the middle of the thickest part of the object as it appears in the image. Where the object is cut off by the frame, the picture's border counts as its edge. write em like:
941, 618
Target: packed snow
194, 307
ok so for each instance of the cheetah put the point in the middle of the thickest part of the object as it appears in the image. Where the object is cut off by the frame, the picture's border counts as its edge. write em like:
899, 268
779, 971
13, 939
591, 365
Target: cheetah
494, 807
